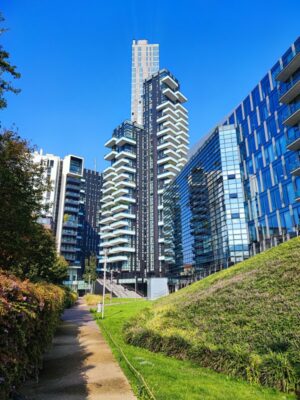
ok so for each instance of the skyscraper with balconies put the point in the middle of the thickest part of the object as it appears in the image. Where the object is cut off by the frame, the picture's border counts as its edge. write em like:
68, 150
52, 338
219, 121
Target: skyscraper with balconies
70, 217
145, 62
165, 153
144, 159
118, 216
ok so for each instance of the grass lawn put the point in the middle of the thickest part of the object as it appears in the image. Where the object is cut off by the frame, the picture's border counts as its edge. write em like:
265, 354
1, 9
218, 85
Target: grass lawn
171, 379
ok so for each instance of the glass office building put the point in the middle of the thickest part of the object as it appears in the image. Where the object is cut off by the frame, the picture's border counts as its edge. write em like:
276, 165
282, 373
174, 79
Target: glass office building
267, 147
266, 159
205, 227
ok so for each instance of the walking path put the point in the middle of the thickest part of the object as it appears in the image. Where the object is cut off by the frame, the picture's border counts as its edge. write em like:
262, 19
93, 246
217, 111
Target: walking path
80, 365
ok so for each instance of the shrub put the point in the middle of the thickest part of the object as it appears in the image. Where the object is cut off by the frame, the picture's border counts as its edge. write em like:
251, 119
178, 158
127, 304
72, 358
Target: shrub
29, 315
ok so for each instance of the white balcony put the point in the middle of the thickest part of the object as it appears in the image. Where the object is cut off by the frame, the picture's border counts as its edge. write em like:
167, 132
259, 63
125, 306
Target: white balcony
124, 232
108, 190
122, 249
120, 192
181, 97
105, 213
108, 170
181, 108
111, 142
168, 144
170, 94
111, 155
106, 221
165, 118
181, 114
125, 154
123, 215
170, 82
160, 223
129, 184
168, 130
120, 177
107, 183
119, 224
124, 199
125, 168
172, 167
106, 199
125, 140
120, 207
165, 105
166, 175
114, 259
118, 240
119, 163
167, 160
171, 153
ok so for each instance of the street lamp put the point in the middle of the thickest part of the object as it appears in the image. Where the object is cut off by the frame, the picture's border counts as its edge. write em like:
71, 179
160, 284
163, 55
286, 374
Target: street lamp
104, 281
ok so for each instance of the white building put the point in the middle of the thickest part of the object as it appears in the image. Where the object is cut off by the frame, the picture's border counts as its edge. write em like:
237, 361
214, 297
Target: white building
145, 62
51, 164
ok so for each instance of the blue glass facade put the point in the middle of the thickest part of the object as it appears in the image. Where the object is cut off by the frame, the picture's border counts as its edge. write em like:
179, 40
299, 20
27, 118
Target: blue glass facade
212, 224
266, 161
205, 227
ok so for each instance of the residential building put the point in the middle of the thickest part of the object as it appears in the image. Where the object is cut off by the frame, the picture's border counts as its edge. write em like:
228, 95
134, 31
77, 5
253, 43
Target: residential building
164, 154
267, 129
51, 165
144, 159
92, 185
145, 62
118, 214
70, 220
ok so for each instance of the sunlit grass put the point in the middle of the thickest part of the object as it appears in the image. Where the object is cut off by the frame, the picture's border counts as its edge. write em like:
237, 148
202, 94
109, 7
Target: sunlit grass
172, 379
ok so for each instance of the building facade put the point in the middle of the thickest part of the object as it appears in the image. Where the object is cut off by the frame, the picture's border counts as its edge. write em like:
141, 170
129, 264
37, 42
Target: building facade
165, 153
205, 228
51, 166
144, 159
267, 122
70, 220
92, 185
268, 143
118, 213
145, 62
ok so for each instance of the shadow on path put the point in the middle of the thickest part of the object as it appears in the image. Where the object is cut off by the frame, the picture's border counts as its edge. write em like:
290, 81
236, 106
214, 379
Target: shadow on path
80, 365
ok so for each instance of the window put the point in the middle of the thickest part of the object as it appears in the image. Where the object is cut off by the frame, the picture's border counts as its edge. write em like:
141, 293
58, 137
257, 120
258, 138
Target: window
235, 215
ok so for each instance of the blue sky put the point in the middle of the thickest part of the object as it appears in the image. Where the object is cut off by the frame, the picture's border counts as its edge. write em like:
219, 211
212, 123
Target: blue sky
74, 57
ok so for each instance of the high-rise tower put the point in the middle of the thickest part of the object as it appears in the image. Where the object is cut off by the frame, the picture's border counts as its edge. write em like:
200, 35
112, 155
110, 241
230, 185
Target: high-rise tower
145, 62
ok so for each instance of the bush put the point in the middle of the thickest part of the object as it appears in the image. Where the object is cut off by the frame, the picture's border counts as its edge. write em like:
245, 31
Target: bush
29, 315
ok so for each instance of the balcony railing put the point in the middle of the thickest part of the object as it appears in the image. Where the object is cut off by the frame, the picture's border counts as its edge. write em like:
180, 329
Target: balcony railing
291, 114
288, 91
293, 139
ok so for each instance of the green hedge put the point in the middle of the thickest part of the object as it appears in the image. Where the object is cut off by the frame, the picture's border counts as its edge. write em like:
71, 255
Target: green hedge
29, 315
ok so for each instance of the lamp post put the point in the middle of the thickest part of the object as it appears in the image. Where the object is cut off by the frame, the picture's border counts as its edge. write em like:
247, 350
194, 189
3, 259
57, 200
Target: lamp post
104, 281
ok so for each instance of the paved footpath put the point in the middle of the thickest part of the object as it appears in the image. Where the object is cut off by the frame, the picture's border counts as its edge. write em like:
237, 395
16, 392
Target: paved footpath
80, 365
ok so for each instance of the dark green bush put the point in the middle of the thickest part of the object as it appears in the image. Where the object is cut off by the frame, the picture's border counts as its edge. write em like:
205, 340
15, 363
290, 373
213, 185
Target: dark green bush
29, 315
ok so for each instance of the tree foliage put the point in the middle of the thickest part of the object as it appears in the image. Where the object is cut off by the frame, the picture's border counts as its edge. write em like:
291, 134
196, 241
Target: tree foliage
26, 248
6, 70
90, 271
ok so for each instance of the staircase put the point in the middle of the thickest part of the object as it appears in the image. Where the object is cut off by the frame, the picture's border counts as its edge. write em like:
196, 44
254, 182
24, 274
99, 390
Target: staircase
119, 290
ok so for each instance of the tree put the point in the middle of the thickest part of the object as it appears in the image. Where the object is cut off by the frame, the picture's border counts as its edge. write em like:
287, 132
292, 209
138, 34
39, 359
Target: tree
6, 69
90, 271
26, 248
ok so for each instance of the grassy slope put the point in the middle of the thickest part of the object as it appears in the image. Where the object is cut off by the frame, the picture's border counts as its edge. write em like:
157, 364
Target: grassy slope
243, 321
169, 378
